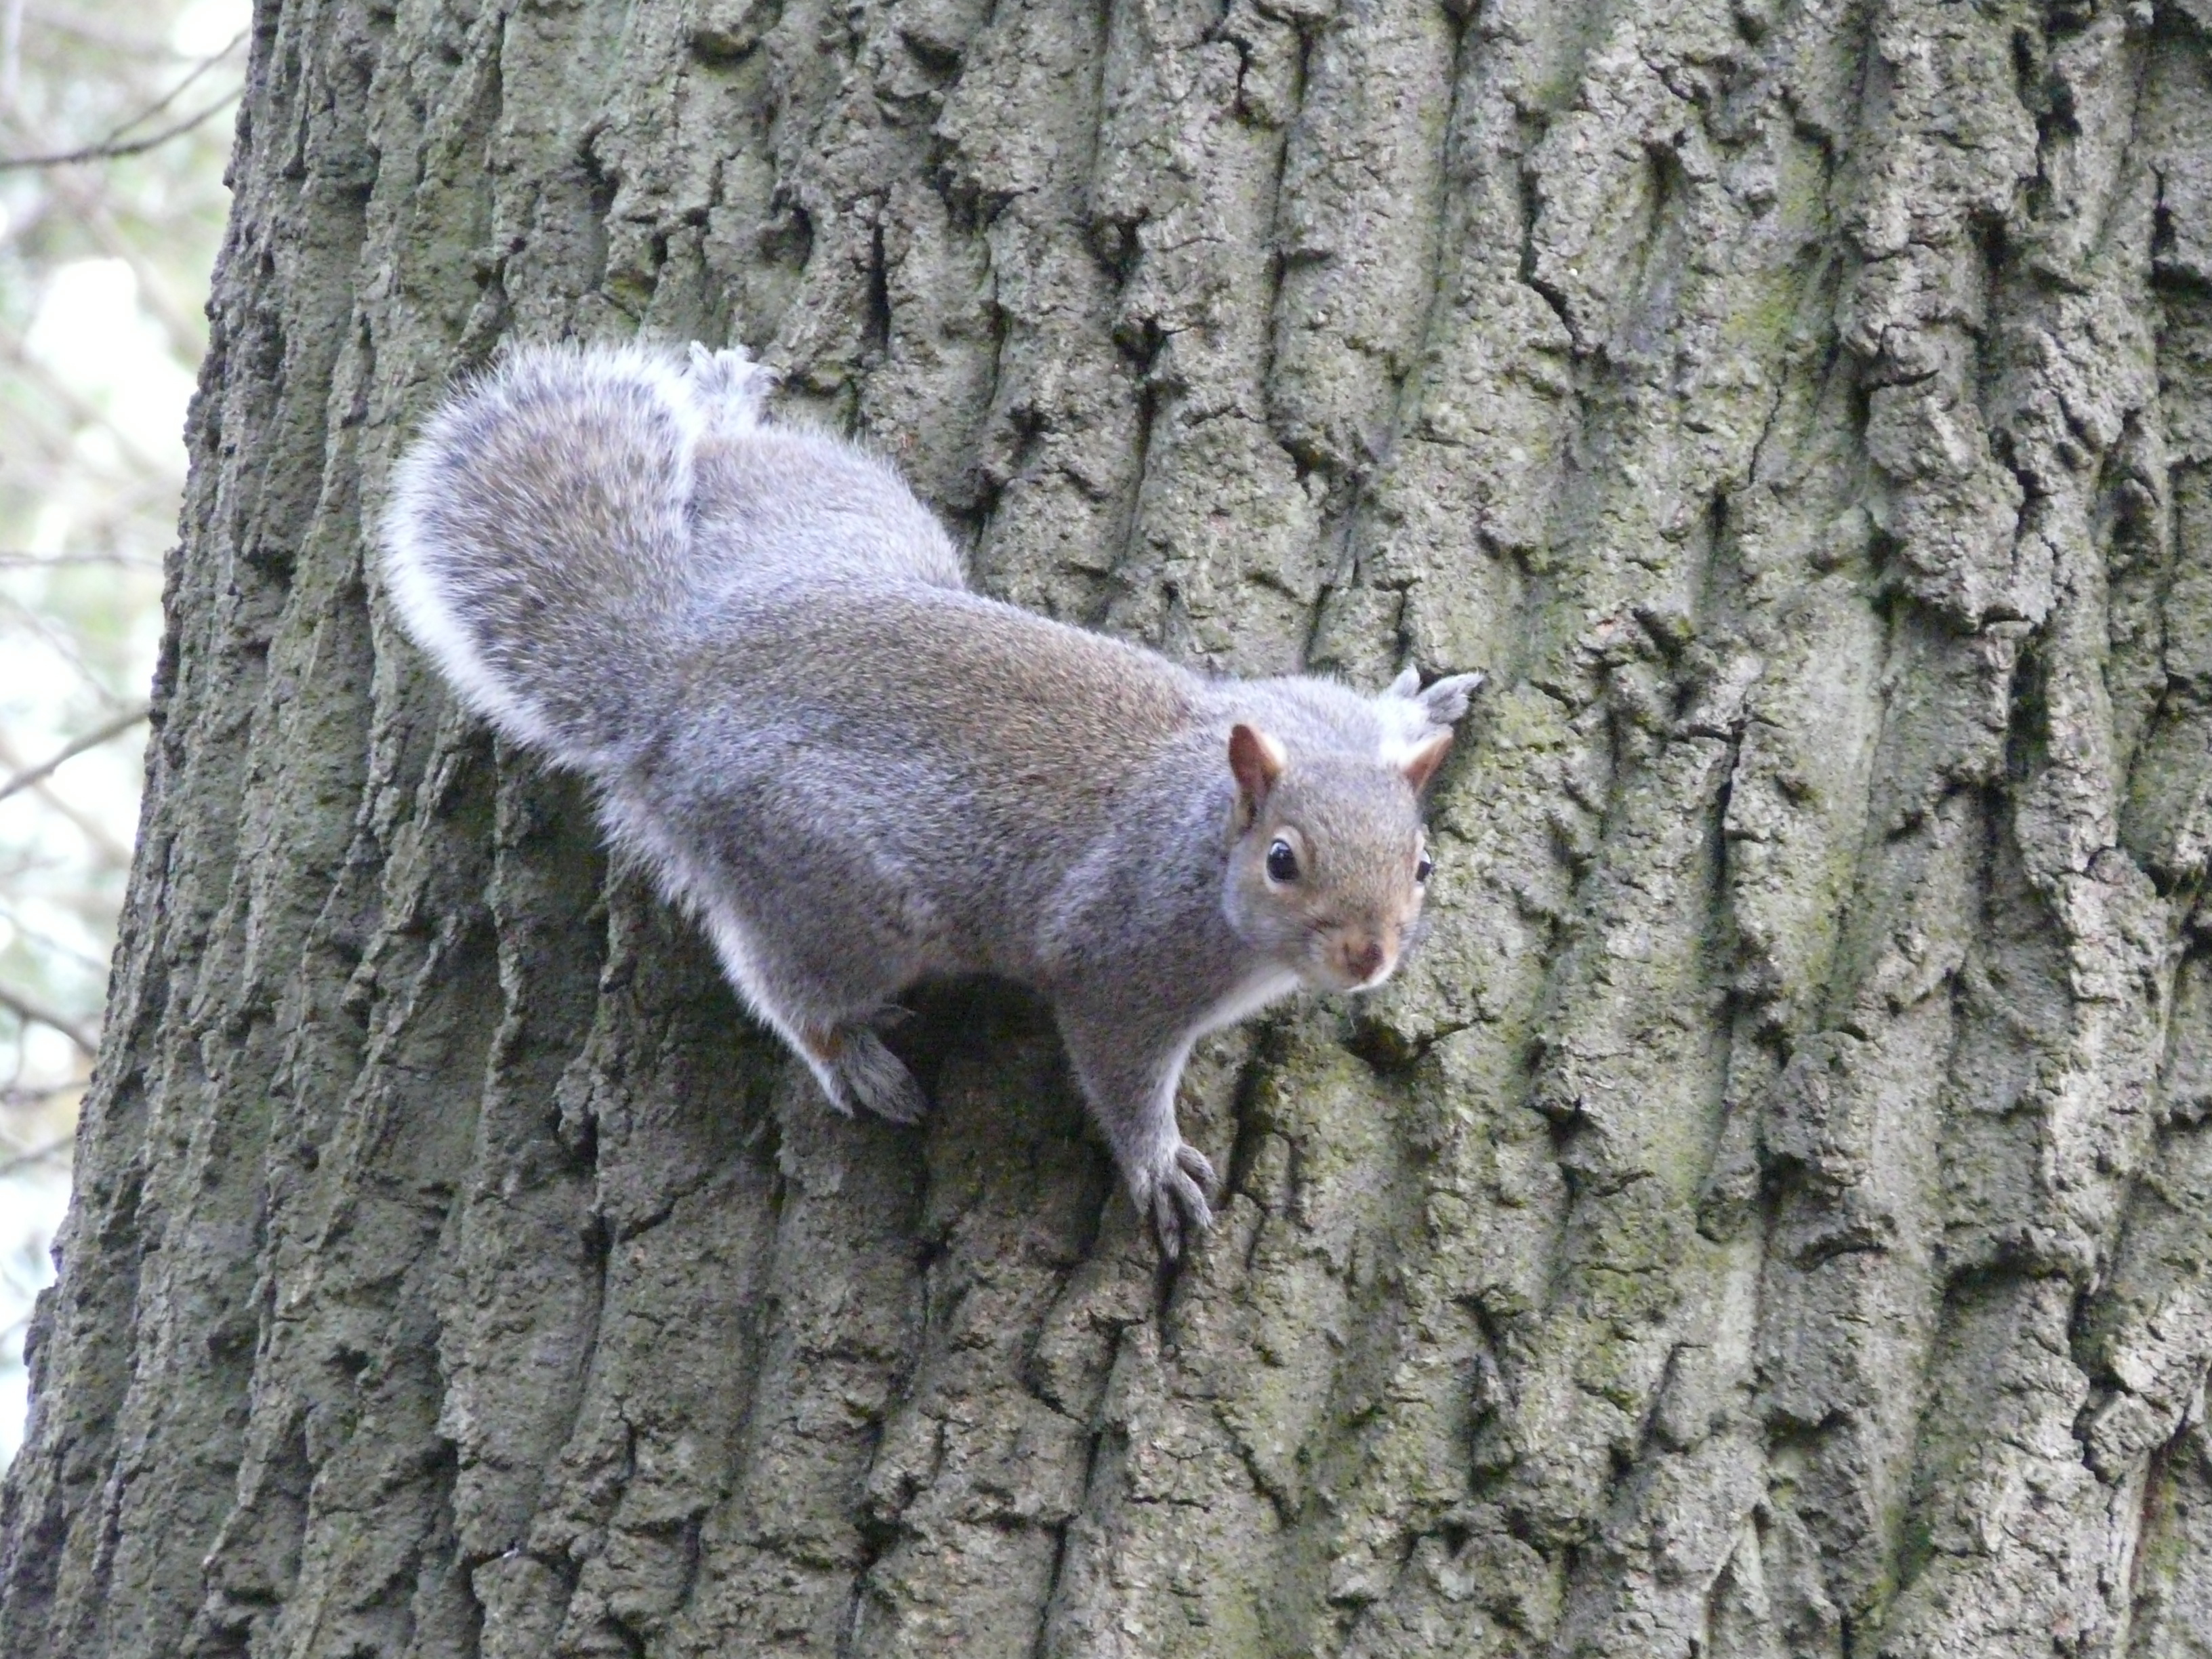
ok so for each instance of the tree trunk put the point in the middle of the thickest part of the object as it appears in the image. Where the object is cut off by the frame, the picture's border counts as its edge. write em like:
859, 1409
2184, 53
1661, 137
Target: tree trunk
1772, 1215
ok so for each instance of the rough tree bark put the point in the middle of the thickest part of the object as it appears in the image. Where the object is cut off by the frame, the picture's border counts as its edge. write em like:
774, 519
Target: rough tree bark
1773, 1215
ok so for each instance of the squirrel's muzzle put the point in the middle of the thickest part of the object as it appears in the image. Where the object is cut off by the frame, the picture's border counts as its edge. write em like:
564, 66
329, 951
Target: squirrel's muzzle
1360, 958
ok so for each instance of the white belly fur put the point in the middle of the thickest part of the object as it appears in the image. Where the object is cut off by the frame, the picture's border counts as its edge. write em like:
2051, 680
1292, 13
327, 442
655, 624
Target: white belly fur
1246, 999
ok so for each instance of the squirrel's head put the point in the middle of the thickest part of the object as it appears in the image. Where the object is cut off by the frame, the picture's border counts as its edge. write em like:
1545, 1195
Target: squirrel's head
1328, 862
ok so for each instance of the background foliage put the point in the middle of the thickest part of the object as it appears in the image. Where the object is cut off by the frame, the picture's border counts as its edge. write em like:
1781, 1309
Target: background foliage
115, 122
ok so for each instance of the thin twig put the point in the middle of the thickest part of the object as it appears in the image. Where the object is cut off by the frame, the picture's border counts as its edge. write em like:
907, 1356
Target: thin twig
37, 1155
116, 143
69, 751
88, 824
86, 193
87, 413
66, 560
38, 937
67, 19
39, 621
113, 151
171, 96
23, 1008
16, 1098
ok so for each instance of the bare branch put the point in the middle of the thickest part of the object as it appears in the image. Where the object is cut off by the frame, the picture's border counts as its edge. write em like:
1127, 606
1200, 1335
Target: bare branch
70, 21
68, 752
35, 1156
182, 87
87, 413
25, 1009
14, 1097
12, 560
111, 150
31, 934
56, 638
116, 144
90, 825
86, 194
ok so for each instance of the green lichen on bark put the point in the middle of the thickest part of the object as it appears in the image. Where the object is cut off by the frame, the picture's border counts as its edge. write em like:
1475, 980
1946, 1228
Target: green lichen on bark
1772, 1215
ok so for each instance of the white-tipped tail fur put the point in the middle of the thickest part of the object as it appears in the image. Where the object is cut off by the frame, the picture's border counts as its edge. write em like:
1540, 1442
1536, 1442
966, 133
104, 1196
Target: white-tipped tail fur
537, 543
730, 390
565, 525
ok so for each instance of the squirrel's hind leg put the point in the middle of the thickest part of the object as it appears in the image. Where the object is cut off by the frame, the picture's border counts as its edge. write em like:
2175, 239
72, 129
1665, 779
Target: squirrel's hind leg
857, 1073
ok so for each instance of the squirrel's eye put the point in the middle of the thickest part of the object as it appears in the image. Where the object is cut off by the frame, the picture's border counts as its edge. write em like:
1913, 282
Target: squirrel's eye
1421, 870
1282, 862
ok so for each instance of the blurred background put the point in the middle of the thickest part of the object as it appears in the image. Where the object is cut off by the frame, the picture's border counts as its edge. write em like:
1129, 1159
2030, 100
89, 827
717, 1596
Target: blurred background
115, 124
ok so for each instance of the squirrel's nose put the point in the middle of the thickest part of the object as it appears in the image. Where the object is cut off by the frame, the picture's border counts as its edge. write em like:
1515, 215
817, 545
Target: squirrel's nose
1362, 958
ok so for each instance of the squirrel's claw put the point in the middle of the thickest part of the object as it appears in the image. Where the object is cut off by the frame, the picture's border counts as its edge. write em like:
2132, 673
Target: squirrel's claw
859, 1072
1195, 1165
1179, 1199
879, 1080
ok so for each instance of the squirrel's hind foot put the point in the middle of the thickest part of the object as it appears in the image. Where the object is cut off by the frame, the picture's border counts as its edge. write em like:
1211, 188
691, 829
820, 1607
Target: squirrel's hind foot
859, 1072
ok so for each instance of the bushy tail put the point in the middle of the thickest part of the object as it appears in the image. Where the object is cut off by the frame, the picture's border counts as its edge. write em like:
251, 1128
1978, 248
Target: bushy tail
538, 541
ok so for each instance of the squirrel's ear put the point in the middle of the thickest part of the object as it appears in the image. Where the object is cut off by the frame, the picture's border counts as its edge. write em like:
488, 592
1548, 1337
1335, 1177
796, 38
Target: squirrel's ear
1421, 765
1446, 700
1407, 685
1256, 760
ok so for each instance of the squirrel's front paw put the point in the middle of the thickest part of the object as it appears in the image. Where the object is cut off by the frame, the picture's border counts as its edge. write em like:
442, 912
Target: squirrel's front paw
1177, 1193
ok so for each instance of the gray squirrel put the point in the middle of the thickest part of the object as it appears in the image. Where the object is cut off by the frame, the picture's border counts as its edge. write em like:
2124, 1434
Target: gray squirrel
761, 648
